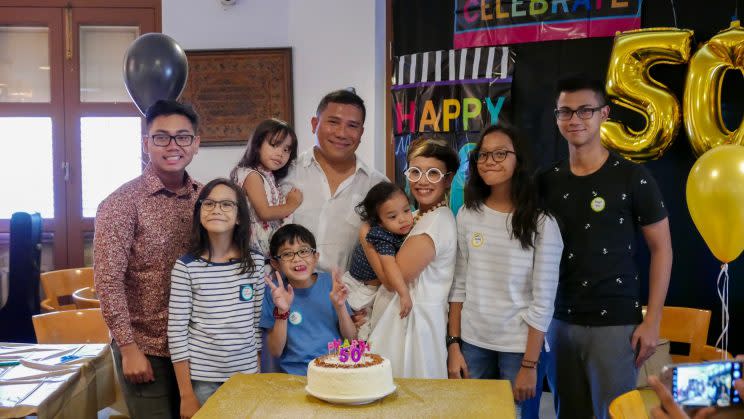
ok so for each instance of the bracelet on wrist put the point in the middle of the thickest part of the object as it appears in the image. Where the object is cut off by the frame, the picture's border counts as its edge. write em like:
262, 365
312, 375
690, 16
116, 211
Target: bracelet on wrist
526, 363
280, 316
453, 339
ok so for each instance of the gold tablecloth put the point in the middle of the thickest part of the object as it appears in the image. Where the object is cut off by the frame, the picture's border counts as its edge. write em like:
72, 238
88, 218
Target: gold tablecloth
76, 393
282, 395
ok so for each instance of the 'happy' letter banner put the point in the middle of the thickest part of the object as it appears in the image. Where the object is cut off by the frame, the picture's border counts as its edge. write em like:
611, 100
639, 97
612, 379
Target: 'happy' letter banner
450, 94
504, 22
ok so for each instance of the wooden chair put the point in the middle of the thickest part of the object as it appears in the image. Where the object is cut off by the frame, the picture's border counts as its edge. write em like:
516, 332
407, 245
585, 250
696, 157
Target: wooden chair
85, 298
628, 406
59, 285
711, 353
686, 325
71, 326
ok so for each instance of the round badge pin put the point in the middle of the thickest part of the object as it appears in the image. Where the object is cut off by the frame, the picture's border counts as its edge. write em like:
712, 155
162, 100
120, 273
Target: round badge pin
246, 292
598, 204
295, 318
477, 240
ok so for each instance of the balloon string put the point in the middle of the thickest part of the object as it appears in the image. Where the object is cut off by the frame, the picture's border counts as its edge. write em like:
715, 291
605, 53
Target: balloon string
722, 286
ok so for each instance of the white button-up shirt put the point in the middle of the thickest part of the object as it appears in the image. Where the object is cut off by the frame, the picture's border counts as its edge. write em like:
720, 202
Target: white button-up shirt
331, 218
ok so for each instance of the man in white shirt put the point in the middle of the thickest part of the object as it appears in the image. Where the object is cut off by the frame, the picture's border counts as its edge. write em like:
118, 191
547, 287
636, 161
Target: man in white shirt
333, 180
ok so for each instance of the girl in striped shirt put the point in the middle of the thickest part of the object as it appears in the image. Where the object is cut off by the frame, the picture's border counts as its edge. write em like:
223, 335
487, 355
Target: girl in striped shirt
506, 272
216, 295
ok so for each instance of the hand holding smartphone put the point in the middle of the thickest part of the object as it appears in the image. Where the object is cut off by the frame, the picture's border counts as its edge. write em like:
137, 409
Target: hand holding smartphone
704, 384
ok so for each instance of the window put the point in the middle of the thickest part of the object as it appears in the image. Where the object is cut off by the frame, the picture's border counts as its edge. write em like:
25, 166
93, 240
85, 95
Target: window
69, 132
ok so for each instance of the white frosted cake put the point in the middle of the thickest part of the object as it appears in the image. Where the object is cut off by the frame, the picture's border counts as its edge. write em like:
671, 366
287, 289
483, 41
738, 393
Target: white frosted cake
371, 377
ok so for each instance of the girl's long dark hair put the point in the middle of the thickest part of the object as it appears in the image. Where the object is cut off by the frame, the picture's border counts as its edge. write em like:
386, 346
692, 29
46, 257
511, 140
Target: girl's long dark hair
524, 192
241, 233
274, 131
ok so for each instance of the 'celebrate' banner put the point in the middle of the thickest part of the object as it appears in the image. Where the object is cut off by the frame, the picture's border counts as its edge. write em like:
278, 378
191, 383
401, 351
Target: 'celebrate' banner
504, 22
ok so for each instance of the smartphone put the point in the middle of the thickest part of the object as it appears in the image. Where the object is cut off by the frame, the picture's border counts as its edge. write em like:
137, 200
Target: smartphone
705, 384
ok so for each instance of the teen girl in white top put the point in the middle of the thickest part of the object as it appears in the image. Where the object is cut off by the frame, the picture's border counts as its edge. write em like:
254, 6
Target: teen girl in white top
506, 273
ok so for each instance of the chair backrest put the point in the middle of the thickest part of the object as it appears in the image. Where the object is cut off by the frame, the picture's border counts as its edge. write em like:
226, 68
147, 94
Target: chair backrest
628, 406
711, 353
686, 325
85, 298
71, 326
59, 285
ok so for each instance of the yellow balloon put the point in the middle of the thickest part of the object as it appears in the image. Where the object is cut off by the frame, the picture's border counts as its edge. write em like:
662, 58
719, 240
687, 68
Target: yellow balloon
715, 198
630, 85
702, 99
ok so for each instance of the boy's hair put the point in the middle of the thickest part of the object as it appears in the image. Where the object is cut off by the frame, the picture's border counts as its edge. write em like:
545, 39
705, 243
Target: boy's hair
165, 107
290, 233
344, 97
241, 233
377, 195
274, 131
575, 82
437, 148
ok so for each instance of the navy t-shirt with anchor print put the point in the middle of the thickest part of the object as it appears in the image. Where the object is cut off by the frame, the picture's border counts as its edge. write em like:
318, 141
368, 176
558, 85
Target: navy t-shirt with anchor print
599, 215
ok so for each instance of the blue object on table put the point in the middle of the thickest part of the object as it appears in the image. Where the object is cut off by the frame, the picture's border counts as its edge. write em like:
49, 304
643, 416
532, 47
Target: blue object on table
68, 358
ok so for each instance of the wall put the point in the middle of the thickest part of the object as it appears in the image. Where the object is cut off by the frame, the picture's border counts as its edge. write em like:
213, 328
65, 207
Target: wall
335, 44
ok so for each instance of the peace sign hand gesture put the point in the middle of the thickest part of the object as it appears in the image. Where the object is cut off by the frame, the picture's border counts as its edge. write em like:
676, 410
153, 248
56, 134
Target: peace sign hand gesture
282, 297
340, 291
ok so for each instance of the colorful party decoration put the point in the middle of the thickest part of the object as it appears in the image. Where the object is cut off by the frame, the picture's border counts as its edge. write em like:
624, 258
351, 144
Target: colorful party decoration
353, 351
702, 97
630, 85
715, 198
155, 67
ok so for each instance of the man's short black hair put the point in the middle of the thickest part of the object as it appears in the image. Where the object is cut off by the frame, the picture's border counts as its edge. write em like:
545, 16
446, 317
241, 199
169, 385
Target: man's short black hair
164, 107
575, 82
344, 97
290, 233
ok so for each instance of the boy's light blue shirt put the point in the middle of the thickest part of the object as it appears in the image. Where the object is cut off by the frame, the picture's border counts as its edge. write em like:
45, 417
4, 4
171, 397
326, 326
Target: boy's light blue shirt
312, 323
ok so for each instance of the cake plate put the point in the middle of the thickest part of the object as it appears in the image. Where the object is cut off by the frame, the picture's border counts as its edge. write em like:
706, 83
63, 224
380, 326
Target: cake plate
350, 400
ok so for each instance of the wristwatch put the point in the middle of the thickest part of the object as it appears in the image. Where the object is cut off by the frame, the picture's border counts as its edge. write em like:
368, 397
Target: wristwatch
453, 339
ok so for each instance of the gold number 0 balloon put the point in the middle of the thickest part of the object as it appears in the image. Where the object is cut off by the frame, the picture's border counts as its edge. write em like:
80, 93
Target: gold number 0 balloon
630, 85
702, 99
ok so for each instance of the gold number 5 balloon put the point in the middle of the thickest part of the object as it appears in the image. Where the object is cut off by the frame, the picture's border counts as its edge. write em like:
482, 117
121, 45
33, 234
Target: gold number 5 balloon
630, 85
702, 99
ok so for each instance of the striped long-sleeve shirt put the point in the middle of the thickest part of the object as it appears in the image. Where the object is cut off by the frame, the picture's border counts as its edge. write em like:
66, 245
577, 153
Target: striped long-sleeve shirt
213, 317
503, 287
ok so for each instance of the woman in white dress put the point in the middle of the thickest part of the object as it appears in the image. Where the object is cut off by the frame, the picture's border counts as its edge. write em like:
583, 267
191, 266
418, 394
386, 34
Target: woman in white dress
415, 344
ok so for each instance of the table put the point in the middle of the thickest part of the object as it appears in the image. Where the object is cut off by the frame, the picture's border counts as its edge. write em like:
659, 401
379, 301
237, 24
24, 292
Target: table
86, 298
44, 386
283, 395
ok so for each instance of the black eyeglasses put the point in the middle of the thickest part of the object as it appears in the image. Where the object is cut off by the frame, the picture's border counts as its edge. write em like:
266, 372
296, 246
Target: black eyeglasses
163, 140
564, 114
303, 253
497, 155
225, 206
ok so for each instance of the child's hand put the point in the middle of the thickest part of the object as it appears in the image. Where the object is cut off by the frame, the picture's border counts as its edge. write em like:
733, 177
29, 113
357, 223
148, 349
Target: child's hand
340, 291
189, 405
363, 231
294, 197
282, 297
406, 304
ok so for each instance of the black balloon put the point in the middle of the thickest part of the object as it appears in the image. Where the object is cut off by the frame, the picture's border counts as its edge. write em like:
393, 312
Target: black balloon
155, 68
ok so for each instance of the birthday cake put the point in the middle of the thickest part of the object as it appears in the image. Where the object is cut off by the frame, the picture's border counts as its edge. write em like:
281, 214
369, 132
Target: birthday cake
350, 373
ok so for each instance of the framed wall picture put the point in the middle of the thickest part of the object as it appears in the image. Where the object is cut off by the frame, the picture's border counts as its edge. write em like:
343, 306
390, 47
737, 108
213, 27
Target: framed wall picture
234, 90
